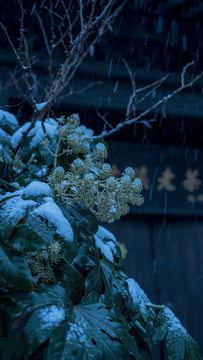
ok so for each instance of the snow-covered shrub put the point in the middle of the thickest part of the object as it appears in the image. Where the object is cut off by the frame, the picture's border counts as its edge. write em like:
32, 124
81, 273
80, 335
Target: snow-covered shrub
63, 292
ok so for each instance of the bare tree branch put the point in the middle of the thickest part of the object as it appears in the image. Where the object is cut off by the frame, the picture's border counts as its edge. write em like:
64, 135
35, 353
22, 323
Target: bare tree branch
164, 100
76, 45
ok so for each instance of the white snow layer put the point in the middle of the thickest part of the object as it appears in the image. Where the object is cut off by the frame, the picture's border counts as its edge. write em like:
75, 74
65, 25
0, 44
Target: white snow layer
173, 324
37, 188
8, 118
108, 248
51, 316
15, 138
14, 209
37, 133
50, 211
40, 105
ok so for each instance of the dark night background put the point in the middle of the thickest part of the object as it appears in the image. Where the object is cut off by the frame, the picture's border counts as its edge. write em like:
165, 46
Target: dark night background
164, 236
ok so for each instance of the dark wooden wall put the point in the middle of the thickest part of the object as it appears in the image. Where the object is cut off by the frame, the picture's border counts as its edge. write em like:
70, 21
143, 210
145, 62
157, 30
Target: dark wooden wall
165, 255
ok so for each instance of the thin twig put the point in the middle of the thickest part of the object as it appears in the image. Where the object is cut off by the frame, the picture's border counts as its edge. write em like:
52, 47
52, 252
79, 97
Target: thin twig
44, 35
77, 92
103, 117
184, 72
153, 89
131, 107
81, 16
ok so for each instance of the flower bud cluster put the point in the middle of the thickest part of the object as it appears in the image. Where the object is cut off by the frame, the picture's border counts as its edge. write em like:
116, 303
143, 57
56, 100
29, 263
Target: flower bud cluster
89, 181
78, 137
42, 262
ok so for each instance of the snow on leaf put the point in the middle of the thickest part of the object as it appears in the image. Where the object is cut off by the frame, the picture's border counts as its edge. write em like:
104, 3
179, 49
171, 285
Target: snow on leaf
139, 298
106, 242
12, 211
51, 316
37, 188
50, 211
177, 338
40, 325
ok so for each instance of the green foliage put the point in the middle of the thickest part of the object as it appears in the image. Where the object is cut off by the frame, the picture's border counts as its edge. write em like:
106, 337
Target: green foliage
15, 270
177, 338
61, 282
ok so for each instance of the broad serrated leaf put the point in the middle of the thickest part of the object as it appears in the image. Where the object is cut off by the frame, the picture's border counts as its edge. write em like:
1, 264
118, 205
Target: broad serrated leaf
42, 296
85, 218
93, 332
15, 270
25, 238
177, 338
40, 326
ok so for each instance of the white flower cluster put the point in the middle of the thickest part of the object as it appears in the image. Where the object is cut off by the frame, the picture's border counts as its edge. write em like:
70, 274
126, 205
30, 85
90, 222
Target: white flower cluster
77, 136
89, 181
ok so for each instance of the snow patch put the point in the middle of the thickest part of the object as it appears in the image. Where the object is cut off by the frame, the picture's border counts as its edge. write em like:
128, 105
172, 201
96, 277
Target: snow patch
50, 211
108, 247
15, 138
37, 188
103, 233
173, 324
41, 173
37, 133
40, 105
77, 333
51, 316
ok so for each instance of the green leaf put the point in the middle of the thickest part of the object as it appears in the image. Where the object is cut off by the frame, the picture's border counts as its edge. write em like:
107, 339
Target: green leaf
86, 219
25, 238
40, 326
177, 338
15, 269
94, 332
106, 277
42, 296
70, 274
